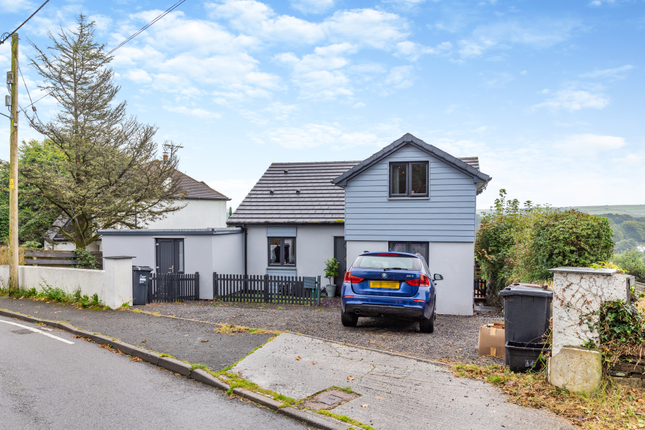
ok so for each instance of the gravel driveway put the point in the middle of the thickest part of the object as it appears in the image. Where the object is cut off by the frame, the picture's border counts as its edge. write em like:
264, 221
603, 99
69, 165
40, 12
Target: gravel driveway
454, 340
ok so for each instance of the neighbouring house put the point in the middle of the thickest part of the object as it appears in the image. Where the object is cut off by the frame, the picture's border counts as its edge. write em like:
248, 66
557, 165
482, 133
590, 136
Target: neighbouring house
410, 196
202, 208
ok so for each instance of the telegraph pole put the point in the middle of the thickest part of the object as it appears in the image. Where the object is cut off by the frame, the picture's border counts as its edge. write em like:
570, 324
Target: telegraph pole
13, 169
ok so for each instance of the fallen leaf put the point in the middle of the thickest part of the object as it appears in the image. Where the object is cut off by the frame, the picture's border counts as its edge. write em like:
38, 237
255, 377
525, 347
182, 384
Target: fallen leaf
379, 397
580, 407
640, 400
143, 341
204, 340
365, 406
350, 378
314, 362
298, 358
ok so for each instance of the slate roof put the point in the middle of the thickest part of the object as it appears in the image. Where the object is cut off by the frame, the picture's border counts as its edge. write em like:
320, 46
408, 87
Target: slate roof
469, 165
196, 190
295, 193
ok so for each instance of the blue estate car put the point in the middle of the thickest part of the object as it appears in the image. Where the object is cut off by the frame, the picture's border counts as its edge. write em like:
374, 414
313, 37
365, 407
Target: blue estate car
389, 284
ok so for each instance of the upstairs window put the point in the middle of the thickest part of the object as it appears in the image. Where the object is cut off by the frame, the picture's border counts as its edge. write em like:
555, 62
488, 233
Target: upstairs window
409, 179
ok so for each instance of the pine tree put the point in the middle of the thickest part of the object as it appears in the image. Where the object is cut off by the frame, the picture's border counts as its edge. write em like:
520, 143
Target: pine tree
108, 174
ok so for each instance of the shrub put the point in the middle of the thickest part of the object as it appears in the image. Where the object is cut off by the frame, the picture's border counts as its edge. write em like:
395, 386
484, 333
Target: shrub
520, 244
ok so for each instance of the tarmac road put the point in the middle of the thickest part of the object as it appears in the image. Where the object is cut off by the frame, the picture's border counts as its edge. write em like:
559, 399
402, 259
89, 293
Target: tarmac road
51, 380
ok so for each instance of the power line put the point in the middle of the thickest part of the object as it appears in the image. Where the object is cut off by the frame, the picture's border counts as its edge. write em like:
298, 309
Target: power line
8, 35
145, 27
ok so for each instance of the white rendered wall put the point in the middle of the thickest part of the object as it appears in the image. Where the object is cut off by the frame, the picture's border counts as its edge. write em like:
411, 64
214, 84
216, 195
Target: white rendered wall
456, 263
142, 248
221, 253
314, 244
580, 291
196, 214
112, 285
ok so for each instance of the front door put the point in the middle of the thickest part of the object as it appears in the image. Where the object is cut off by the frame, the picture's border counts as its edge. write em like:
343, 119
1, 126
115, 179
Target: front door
170, 255
340, 254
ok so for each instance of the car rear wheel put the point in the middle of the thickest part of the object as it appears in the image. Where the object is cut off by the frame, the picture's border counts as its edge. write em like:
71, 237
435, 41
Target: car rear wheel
348, 320
427, 326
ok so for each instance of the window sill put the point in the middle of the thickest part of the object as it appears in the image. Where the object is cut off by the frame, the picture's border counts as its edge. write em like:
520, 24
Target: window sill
282, 267
410, 198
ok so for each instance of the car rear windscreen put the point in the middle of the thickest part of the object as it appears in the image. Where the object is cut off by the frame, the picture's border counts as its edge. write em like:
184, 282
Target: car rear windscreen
387, 262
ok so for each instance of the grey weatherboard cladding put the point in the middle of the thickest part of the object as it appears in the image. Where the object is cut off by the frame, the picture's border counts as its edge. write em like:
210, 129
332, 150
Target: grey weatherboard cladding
446, 215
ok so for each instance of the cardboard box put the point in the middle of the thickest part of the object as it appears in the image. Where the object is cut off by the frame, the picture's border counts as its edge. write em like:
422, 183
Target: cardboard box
492, 340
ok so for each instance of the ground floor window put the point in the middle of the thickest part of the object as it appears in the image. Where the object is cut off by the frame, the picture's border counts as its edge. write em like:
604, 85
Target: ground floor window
411, 247
282, 251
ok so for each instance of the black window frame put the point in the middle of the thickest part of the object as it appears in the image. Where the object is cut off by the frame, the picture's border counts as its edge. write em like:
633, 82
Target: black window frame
281, 264
391, 244
408, 179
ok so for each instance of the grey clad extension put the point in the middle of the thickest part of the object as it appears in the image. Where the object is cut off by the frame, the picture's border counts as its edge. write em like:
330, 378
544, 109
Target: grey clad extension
410, 196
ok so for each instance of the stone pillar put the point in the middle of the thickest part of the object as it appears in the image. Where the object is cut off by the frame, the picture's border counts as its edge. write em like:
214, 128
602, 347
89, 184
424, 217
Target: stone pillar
578, 293
117, 289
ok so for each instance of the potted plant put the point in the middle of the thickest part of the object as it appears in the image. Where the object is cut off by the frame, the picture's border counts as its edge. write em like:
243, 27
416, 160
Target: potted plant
331, 270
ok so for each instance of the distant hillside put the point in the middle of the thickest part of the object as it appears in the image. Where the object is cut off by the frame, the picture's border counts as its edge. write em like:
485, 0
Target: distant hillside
627, 223
633, 210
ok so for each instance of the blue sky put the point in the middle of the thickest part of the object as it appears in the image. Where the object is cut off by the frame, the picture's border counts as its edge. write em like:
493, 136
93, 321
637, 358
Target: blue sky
549, 94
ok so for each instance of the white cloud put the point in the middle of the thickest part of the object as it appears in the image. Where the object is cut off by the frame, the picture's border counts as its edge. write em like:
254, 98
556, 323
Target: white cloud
497, 80
358, 105
589, 144
539, 34
192, 58
573, 100
139, 76
199, 113
412, 50
101, 22
315, 135
312, 6
259, 20
15, 5
235, 189
616, 73
318, 75
365, 27
399, 77
274, 112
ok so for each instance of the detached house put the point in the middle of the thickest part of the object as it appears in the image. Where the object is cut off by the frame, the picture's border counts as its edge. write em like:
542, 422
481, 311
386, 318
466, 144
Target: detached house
410, 196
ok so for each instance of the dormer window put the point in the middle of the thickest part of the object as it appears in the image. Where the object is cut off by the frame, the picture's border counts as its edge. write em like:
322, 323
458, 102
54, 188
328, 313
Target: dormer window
409, 179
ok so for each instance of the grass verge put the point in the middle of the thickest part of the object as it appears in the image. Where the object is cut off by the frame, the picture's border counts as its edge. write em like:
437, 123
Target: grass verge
232, 329
610, 407
49, 294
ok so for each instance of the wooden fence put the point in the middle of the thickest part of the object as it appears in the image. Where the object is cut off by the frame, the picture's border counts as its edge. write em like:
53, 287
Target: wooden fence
60, 259
301, 290
173, 287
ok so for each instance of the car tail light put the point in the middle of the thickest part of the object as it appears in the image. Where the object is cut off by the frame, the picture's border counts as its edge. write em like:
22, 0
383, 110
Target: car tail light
423, 281
352, 279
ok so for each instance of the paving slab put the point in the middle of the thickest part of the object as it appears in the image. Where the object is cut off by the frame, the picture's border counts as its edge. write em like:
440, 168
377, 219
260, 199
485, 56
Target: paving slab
396, 392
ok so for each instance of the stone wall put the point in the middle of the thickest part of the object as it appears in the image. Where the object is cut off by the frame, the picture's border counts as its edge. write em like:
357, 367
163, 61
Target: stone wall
577, 293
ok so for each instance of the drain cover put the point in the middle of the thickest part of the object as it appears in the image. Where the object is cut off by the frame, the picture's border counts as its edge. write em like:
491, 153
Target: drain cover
330, 399
22, 331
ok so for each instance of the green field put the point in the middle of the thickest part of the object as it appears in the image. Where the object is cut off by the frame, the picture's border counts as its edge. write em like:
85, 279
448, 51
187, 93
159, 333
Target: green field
633, 210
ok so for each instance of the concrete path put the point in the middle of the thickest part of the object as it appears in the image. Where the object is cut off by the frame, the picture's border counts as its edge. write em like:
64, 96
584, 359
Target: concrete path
400, 393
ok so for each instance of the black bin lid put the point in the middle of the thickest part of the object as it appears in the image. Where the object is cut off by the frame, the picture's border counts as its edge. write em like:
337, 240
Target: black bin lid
524, 290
